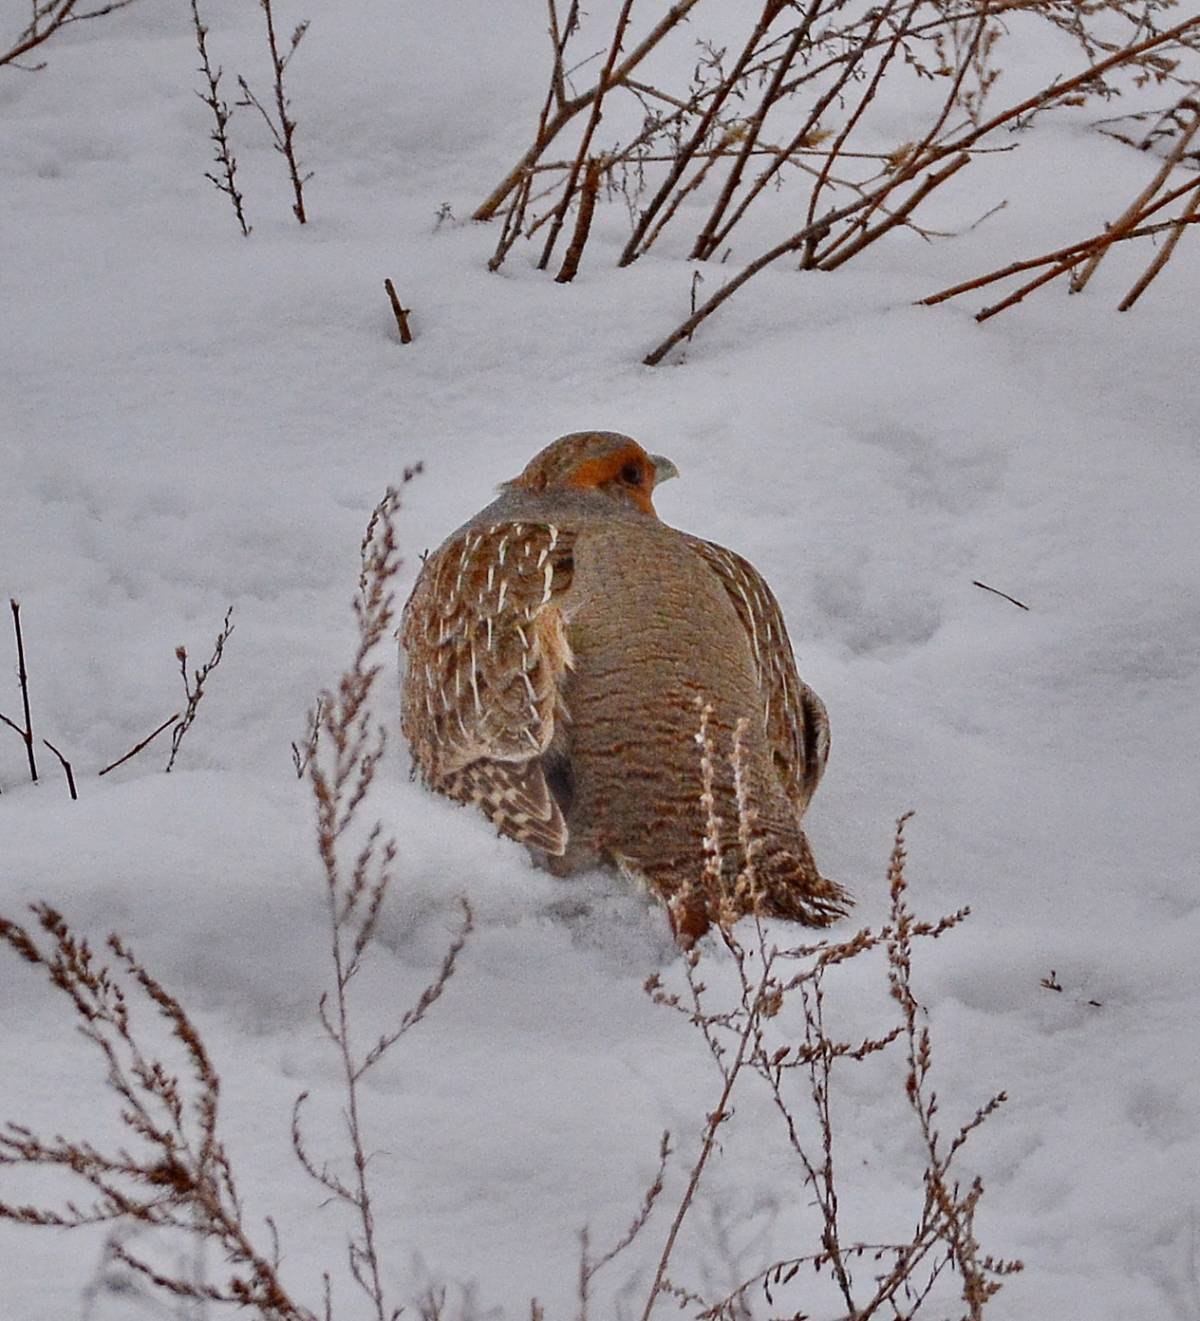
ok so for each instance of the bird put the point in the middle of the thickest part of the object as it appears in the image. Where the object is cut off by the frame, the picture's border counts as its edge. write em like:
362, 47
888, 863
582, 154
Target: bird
610, 690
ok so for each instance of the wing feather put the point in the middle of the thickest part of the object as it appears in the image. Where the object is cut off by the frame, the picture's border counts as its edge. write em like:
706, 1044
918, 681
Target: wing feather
796, 722
487, 654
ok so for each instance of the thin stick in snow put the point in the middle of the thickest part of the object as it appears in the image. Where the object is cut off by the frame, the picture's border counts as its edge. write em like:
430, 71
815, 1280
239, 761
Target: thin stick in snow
133, 752
996, 591
22, 675
66, 765
399, 312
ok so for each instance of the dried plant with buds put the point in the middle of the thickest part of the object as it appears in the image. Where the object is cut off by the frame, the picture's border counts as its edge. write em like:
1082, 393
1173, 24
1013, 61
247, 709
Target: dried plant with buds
751, 1037
174, 1174
193, 685
281, 125
341, 768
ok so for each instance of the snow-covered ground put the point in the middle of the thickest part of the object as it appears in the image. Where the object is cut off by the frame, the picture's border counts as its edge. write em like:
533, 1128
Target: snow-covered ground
190, 419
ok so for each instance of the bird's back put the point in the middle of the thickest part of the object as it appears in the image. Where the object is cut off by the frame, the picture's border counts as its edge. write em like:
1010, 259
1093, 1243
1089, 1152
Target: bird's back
656, 639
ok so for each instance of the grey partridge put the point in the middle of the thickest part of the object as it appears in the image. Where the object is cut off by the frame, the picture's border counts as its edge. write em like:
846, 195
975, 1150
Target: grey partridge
564, 647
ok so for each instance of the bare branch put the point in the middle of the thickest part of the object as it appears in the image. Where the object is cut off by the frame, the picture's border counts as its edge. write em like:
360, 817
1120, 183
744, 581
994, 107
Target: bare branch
133, 752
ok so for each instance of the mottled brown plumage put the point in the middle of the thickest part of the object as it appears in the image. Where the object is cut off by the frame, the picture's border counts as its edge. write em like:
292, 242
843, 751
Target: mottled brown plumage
561, 646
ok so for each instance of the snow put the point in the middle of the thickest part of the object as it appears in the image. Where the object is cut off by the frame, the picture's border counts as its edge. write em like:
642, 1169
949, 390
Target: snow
192, 420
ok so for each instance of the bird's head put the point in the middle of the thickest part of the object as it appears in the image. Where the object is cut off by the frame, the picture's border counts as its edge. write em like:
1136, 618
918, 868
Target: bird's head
603, 461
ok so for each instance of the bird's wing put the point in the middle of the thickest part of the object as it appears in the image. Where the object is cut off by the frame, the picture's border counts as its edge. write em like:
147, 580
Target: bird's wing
796, 723
487, 652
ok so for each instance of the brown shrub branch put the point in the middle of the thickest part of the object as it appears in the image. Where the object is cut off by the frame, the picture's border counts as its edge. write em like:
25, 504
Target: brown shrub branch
48, 17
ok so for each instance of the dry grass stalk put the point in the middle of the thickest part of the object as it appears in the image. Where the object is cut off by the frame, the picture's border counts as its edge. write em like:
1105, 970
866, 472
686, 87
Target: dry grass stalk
281, 125
341, 770
748, 1037
303, 753
590, 1267
226, 181
175, 1174
193, 687
46, 18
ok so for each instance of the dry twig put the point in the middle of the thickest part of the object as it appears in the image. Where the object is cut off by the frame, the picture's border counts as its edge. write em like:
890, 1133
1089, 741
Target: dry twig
831, 59
582, 155
399, 312
341, 769
66, 765
194, 687
303, 753
46, 18
281, 124
997, 592
226, 181
175, 1174
751, 1036
23, 678
133, 752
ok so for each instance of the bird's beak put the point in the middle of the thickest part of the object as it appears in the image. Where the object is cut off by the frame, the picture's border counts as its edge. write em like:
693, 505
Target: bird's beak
664, 469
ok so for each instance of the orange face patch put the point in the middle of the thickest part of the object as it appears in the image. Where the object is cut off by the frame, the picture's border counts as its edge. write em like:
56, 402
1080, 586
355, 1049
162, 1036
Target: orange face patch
610, 471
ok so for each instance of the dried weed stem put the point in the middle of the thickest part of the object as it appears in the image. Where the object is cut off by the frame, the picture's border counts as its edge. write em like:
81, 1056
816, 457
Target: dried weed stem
341, 769
281, 125
193, 687
751, 1037
176, 1174
226, 181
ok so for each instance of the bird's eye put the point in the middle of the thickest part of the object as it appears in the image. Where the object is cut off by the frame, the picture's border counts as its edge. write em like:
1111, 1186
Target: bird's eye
631, 474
